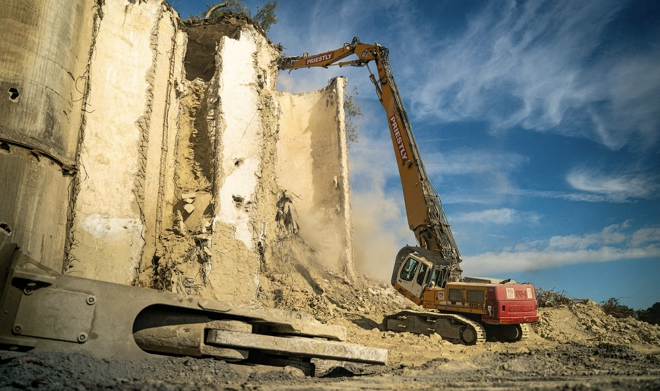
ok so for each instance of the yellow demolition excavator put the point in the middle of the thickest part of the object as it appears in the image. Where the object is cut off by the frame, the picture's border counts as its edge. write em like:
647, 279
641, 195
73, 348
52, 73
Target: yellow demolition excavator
462, 309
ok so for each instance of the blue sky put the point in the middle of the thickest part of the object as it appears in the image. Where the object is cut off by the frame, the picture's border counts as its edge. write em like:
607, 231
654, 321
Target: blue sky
538, 122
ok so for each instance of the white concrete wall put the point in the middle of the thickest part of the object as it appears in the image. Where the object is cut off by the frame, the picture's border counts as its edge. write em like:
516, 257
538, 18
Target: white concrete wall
116, 205
241, 105
240, 136
312, 164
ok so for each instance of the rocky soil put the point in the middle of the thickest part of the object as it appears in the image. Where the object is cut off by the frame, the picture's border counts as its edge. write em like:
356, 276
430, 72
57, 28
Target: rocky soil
574, 346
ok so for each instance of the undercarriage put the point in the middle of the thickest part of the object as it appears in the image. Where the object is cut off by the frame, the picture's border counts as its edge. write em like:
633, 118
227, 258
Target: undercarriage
454, 327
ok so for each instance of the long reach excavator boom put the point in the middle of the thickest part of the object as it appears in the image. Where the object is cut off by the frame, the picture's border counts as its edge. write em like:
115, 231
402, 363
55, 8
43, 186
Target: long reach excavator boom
426, 217
429, 274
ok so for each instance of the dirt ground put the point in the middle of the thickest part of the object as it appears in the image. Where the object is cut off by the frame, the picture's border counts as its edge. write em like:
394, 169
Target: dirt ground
575, 346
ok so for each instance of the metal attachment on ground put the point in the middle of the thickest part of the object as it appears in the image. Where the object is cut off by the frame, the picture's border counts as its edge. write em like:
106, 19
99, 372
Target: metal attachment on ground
297, 347
132, 323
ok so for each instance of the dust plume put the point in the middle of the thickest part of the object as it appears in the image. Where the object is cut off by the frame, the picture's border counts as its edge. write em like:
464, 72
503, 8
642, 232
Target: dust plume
380, 227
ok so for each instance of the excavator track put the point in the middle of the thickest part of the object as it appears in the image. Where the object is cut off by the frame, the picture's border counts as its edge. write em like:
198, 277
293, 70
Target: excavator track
451, 327
509, 332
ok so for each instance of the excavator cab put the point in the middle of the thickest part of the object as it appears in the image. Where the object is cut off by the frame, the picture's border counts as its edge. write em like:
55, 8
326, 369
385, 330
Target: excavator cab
414, 274
439, 277
416, 270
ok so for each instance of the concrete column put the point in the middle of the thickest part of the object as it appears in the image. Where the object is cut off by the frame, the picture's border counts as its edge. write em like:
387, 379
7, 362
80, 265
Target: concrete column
312, 167
44, 51
126, 144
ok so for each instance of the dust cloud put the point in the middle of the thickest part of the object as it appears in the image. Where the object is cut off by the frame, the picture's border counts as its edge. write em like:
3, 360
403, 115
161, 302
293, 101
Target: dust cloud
380, 224
377, 220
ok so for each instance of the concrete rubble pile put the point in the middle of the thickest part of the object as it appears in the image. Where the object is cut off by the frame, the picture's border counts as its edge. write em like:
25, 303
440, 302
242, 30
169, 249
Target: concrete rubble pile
585, 321
607, 328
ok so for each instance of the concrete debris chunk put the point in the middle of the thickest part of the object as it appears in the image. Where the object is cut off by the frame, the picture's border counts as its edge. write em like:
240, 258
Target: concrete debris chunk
296, 346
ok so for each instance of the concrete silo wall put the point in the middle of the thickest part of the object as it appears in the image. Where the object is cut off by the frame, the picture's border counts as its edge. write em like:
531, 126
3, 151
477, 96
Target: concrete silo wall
170, 160
313, 168
128, 141
44, 53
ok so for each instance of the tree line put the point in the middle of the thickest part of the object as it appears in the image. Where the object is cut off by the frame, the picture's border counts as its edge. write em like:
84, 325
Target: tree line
613, 307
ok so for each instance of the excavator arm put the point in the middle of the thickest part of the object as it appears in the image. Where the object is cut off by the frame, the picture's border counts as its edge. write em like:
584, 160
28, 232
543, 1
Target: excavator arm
426, 217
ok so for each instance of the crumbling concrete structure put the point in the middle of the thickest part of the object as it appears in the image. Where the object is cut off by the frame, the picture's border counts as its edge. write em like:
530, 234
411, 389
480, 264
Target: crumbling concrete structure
312, 165
127, 143
141, 150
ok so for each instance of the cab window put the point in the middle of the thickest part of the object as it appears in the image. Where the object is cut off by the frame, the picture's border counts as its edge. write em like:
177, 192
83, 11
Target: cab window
434, 276
422, 272
440, 277
408, 270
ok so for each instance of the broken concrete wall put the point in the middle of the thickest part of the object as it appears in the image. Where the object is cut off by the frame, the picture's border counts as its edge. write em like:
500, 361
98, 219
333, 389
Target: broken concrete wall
128, 140
44, 53
225, 177
198, 180
227, 127
313, 168
246, 162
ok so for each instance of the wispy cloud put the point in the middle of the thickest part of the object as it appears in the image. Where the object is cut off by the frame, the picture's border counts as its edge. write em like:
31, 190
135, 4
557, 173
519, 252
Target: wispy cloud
544, 65
615, 242
492, 172
626, 186
473, 161
595, 184
645, 236
501, 216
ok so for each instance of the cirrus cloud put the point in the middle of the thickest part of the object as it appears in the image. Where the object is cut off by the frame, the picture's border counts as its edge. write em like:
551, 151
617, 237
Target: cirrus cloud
546, 66
612, 243
614, 187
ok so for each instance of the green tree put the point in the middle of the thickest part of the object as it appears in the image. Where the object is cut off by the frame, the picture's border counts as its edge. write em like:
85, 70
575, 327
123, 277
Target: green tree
265, 15
352, 111
616, 309
650, 315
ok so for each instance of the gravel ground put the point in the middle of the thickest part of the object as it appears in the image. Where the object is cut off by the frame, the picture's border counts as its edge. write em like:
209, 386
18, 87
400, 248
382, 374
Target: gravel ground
569, 366
573, 347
